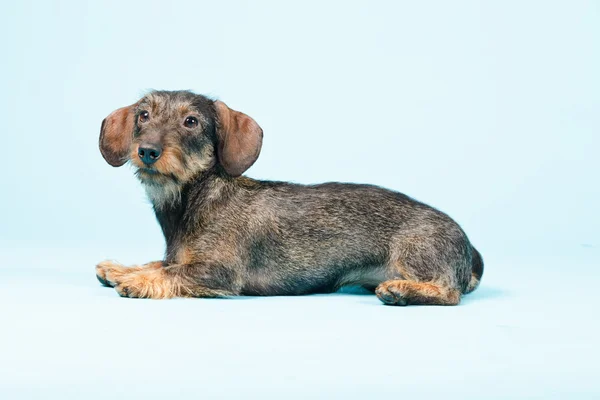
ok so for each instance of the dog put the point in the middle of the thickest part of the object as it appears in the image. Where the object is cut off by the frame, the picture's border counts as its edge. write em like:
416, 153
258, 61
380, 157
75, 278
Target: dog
229, 235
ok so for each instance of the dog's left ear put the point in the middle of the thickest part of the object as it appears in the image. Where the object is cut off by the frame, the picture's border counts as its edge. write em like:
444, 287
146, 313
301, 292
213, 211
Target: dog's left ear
239, 139
116, 135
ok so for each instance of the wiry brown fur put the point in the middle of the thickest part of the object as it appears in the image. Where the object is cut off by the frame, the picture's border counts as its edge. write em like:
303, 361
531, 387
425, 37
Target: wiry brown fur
228, 235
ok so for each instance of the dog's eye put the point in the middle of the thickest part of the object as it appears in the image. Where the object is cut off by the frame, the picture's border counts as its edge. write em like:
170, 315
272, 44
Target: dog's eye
191, 122
144, 116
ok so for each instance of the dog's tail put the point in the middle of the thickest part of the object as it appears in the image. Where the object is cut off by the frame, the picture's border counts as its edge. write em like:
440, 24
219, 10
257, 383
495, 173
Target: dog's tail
476, 272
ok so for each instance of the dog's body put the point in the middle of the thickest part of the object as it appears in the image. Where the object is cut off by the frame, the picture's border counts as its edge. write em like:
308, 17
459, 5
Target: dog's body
230, 235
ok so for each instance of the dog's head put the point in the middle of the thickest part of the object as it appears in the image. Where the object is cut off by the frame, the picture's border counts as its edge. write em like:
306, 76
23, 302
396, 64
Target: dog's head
171, 137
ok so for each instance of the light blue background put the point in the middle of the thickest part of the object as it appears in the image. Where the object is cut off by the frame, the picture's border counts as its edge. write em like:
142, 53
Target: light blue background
489, 111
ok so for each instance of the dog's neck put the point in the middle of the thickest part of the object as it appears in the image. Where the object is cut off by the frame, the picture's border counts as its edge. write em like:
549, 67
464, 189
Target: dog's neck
181, 205
163, 195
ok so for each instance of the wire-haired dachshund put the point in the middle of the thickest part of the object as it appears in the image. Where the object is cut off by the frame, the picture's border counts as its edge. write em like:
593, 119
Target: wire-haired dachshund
229, 235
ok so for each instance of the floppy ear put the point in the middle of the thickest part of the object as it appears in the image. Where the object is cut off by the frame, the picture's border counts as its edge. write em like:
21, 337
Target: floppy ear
240, 139
116, 135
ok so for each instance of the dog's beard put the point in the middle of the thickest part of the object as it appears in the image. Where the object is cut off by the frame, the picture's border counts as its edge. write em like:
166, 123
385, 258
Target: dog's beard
162, 190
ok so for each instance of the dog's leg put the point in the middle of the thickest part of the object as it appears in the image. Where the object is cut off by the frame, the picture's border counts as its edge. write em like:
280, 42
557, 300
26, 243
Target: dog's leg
402, 292
179, 280
427, 268
117, 270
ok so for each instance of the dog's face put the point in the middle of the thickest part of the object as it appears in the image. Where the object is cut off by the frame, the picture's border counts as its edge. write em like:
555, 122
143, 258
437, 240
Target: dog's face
173, 136
170, 137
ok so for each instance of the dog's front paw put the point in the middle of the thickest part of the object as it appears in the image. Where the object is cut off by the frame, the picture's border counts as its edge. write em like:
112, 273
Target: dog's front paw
146, 284
107, 271
103, 267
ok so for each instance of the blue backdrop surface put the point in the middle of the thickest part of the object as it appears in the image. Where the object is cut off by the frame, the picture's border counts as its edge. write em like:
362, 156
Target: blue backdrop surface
489, 111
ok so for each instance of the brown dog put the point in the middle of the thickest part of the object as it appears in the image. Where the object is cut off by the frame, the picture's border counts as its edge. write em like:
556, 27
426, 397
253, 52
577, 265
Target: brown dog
230, 235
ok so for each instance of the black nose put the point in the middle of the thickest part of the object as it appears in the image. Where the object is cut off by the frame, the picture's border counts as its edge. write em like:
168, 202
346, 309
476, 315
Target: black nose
149, 153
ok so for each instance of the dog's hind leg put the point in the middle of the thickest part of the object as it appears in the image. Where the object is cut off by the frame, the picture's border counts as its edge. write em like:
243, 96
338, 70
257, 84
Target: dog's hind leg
430, 265
402, 292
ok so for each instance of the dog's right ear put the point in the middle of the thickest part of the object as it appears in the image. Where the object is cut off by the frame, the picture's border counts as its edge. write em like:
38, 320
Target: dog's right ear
116, 135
